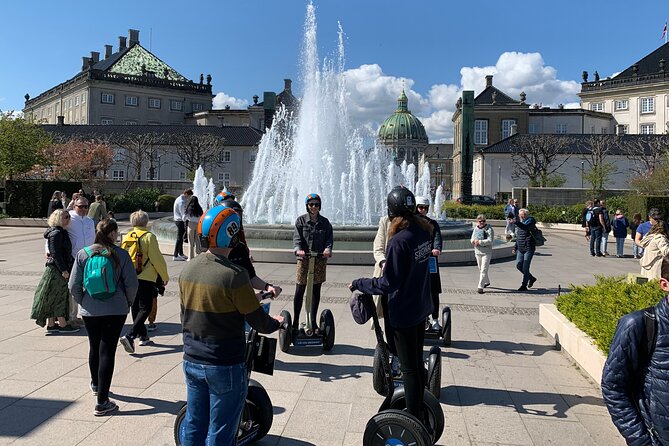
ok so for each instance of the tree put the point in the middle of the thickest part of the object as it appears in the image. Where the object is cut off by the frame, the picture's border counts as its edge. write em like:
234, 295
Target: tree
21, 143
136, 151
193, 150
76, 159
538, 157
597, 148
647, 152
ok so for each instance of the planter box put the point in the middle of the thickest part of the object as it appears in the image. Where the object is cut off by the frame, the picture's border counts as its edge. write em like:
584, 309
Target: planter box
573, 341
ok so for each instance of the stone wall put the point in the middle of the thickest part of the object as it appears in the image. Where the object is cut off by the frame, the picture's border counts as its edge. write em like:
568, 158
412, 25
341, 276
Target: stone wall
553, 196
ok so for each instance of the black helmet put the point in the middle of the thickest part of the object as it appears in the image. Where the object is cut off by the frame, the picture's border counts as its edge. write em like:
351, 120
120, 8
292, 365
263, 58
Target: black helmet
401, 202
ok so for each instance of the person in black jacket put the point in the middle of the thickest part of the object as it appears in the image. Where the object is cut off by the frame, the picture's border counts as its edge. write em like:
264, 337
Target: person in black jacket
422, 207
52, 297
635, 379
406, 281
526, 228
313, 233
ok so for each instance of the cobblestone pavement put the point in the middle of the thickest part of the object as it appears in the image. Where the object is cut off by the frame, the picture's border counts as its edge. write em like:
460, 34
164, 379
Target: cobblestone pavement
502, 380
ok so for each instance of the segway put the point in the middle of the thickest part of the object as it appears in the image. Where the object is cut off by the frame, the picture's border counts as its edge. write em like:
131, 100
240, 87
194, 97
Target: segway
444, 334
308, 337
392, 425
257, 414
432, 372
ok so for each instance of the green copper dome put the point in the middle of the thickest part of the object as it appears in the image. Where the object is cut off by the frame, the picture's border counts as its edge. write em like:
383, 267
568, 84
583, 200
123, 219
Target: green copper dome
402, 124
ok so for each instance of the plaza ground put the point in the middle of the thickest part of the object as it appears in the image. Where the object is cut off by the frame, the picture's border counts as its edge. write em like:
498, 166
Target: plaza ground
502, 380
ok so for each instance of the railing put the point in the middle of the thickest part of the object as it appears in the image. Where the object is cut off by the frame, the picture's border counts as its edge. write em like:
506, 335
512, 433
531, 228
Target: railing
623, 82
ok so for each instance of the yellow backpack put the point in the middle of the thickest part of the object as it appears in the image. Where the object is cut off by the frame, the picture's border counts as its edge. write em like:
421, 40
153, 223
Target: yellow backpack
132, 243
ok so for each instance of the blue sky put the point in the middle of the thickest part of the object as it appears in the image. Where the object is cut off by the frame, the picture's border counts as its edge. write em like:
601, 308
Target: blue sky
436, 47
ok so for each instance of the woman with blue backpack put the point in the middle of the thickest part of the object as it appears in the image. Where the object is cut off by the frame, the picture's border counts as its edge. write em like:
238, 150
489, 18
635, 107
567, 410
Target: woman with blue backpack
104, 284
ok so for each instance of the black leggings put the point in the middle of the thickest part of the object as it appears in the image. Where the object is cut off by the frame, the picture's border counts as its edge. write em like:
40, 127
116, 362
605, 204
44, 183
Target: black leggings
409, 343
315, 302
435, 302
103, 334
141, 308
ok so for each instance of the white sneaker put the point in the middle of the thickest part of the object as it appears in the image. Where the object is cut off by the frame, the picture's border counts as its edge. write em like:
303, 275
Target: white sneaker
435, 325
178, 259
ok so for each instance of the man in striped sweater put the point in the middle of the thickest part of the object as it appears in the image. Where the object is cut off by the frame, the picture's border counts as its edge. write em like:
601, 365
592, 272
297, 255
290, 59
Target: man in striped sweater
216, 298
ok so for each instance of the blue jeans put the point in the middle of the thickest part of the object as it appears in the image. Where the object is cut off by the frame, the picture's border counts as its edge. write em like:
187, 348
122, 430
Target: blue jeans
620, 245
638, 250
215, 395
605, 241
595, 240
523, 260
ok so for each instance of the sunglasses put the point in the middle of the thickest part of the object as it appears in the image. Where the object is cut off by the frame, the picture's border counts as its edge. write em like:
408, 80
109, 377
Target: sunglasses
423, 207
481, 221
317, 205
82, 206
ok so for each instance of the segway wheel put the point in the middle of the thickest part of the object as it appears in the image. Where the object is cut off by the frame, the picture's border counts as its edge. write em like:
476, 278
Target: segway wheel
446, 325
180, 426
327, 327
285, 331
432, 413
258, 409
434, 371
379, 380
395, 427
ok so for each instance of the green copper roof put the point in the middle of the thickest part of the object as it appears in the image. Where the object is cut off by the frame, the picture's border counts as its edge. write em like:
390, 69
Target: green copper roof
137, 59
402, 124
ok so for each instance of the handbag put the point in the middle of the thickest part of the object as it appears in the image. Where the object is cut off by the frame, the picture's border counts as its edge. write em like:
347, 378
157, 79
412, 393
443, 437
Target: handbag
538, 236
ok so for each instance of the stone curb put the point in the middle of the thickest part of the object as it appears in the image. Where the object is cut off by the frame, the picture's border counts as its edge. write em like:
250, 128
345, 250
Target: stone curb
570, 339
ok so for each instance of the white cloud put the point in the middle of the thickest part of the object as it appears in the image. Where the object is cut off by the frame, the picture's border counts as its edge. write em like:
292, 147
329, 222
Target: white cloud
221, 100
372, 94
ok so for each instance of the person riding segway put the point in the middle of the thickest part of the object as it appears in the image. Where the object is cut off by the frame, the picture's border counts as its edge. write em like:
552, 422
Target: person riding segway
406, 281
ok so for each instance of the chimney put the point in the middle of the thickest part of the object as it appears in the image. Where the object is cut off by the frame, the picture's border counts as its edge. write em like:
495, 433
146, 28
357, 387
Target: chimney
95, 56
288, 85
488, 81
84, 63
61, 120
108, 51
121, 43
133, 37
514, 129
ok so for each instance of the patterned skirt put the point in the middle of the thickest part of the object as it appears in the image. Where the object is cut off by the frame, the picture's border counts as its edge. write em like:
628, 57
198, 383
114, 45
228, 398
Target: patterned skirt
303, 268
52, 297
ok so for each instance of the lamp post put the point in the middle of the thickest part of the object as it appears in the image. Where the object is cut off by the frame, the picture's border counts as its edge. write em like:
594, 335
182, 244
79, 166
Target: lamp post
582, 172
499, 179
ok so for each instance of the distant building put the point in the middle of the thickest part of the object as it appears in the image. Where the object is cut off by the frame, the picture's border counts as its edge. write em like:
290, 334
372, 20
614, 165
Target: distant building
131, 86
403, 134
440, 160
637, 97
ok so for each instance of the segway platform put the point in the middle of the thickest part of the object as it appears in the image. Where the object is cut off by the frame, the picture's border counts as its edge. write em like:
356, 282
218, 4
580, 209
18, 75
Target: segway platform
445, 333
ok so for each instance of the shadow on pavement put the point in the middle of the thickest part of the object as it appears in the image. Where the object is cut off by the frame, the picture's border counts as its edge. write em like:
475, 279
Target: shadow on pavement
283, 441
165, 349
547, 404
508, 347
16, 421
156, 405
324, 372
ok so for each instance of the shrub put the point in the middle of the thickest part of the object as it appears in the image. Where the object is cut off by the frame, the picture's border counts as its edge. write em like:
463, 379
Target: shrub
595, 309
30, 198
463, 211
135, 200
166, 202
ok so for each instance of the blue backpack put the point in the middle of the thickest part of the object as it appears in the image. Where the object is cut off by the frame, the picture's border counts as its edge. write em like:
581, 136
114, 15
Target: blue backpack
99, 274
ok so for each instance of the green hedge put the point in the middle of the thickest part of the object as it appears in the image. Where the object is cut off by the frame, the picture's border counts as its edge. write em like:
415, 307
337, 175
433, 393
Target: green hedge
30, 198
595, 309
166, 202
641, 204
135, 200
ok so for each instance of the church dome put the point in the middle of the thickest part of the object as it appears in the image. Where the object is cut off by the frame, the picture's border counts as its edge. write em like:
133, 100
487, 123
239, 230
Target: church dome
402, 125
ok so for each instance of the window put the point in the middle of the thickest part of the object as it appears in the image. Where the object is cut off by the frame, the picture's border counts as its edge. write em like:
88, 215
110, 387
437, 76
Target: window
176, 105
225, 156
118, 155
107, 98
152, 174
621, 104
561, 129
224, 178
597, 106
83, 98
647, 105
252, 157
131, 101
623, 129
130, 122
118, 175
182, 175
57, 107
154, 103
604, 130
480, 131
647, 129
76, 101
197, 107
506, 127
106, 121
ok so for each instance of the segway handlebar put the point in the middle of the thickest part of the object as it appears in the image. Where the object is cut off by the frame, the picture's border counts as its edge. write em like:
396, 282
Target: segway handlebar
266, 297
315, 254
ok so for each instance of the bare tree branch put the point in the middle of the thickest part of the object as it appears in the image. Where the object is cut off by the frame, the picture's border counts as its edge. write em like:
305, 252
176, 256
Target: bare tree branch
194, 150
536, 157
646, 153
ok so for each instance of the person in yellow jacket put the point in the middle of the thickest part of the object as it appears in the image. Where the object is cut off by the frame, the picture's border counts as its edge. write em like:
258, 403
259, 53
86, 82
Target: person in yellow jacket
149, 263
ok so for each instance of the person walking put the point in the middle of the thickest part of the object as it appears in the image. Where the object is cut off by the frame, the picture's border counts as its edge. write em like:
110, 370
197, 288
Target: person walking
64, 200
606, 227
405, 280
52, 297
510, 214
634, 224
635, 381
55, 203
620, 225
216, 297
594, 228
644, 228
179, 215
655, 247
526, 228
312, 234
82, 233
482, 238
422, 208
193, 213
98, 210
104, 318
150, 266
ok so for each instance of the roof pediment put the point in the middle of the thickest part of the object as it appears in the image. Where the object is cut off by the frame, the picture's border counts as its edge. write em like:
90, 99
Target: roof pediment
494, 96
137, 61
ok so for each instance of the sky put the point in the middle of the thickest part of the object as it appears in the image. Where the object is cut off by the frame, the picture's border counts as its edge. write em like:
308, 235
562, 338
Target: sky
435, 49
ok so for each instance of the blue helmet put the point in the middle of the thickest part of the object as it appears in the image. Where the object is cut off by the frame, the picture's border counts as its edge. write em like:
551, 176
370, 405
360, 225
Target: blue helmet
311, 197
223, 196
219, 228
